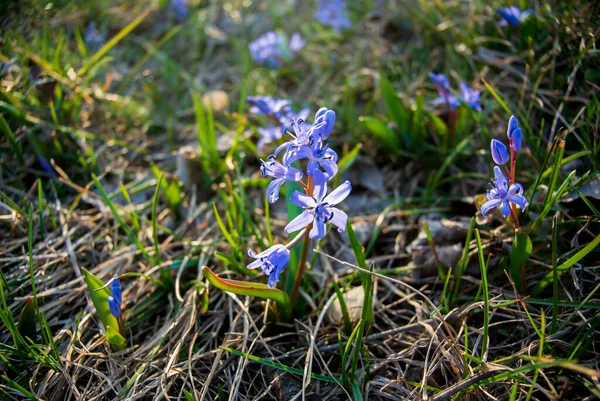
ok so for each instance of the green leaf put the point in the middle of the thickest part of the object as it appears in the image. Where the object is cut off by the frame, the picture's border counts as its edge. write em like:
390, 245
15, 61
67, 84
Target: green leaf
285, 368
27, 320
251, 289
189, 396
293, 211
549, 278
116, 340
99, 294
384, 134
520, 252
111, 43
393, 105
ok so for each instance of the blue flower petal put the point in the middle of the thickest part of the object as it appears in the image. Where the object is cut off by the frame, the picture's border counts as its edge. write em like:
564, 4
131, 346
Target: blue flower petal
339, 218
301, 221
505, 208
273, 189
320, 185
339, 194
302, 200
489, 205
318, 230
115, 309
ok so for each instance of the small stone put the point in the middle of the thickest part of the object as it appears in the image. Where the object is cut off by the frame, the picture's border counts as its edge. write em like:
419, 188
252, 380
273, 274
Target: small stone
354, 299
218, 100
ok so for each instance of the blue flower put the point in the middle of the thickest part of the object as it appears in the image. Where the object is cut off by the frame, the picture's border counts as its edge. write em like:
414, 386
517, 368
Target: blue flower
318, 154
499, 152
441, 82
300, 133
328, 117
272, 262
442, 85
319, 209
279, 110
515, 134
180, 8
470, 96
93, 38
501, 195
116, 298
333, 13
280, 173
512, 16
271, 49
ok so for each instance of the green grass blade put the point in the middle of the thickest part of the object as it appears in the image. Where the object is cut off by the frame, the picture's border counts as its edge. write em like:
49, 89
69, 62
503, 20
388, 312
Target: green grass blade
280, 366
486, 297
549, 278
111, 43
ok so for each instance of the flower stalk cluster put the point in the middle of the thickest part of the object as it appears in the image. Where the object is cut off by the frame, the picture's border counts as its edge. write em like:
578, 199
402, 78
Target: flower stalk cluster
308, 144
505, 194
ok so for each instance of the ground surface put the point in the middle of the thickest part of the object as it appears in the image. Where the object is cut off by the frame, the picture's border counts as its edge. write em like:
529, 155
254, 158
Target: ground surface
89, 126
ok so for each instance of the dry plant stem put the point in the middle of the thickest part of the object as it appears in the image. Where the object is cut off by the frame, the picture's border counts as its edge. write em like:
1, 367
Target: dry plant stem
452, 117
121, 326
304, 254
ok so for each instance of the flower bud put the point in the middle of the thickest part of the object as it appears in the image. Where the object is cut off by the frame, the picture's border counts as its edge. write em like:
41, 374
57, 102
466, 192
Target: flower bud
499, 152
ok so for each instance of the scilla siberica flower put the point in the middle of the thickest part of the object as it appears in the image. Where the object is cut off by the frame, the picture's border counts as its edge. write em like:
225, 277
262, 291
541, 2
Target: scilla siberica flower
308, 142
501, 195
281, 173
93, 38
272, 262
180, 8
514, 134
272, 49
470, 96
116, 298
319, 208
512, 16
279, 110
333, 13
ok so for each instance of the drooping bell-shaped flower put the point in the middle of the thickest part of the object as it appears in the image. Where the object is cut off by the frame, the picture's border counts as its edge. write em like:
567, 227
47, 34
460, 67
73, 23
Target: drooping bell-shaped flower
272, 262
501, 195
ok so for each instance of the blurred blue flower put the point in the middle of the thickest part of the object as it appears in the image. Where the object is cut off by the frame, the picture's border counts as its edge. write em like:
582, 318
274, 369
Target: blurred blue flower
179, 8
319, 208
441, 82
333, 13
501, 195
499, 152
116, 298
272, 49
280, 173
93, 38
512, 16
470, 96
272, 262
442, 85
279, 110
515, 134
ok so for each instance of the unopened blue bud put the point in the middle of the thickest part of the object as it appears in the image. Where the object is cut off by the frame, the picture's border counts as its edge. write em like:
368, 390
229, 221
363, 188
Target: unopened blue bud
499, 152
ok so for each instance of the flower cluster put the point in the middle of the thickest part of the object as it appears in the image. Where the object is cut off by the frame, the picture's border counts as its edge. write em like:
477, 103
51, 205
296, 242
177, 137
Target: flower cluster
512, 16
272, 48
309, 143
467, 94
279, 111
333, 13
116, 298
505, 191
